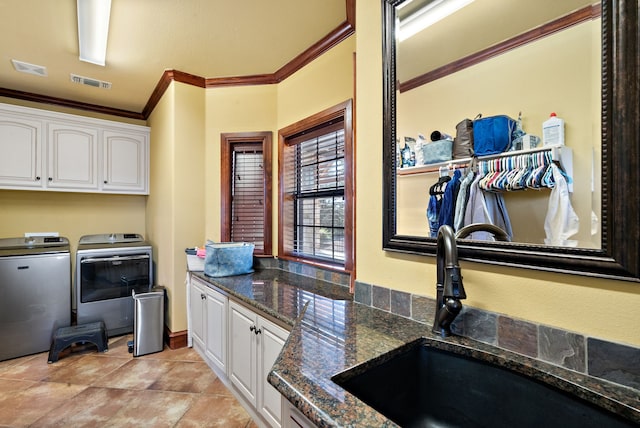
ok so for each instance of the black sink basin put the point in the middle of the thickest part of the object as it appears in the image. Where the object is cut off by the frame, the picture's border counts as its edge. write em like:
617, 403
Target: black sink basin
422, 386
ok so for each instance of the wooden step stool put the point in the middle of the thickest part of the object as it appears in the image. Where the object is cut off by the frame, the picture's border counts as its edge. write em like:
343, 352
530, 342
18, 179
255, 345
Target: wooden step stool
64, 337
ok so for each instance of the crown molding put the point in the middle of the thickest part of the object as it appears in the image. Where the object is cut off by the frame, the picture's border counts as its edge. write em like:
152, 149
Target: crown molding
45, 99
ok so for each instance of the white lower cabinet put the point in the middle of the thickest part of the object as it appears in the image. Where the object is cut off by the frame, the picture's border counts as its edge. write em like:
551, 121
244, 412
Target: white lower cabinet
240, 345
216, 331
209, 323
292, 417
255, 343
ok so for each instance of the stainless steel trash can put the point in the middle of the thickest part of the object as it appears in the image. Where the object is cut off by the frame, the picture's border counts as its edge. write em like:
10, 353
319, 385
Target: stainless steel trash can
148, 321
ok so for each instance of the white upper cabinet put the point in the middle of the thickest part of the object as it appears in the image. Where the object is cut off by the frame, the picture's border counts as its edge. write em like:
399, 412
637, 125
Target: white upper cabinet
20, 151
125, 159
43, 150
72, 154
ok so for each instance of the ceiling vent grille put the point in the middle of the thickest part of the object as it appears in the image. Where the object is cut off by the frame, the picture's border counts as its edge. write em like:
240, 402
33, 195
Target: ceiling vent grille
25, 67
90, 82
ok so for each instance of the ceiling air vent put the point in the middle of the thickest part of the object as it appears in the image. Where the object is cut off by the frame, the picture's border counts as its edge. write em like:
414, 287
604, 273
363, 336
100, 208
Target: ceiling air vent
90, 82
25, 67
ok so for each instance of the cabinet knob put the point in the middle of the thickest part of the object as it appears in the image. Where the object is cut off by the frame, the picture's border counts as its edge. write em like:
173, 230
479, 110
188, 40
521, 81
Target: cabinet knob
38, 178
105, 181
50, 178
202, 296
255, 329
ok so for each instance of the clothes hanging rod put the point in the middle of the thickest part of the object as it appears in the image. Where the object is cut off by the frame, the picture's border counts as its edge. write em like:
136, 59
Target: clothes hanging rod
558, 153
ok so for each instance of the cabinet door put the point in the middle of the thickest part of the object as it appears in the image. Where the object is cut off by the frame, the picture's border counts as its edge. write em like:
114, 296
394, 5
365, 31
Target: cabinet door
20, 152
216, 329
271, 340
242, 350
125, 162
197, 296
72, 153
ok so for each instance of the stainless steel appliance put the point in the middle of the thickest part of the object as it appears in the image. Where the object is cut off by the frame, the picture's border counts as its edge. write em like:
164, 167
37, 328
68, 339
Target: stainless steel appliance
35, 293
148, 322
109, 267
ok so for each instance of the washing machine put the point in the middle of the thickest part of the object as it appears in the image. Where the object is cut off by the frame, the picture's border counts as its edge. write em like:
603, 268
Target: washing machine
35, 293
109, 268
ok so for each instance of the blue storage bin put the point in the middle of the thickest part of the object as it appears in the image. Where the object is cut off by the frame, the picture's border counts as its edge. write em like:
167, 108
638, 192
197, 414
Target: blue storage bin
228, 258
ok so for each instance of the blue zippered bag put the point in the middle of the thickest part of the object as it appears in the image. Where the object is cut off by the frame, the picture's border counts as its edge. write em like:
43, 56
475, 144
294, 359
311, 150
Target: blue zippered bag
493, 135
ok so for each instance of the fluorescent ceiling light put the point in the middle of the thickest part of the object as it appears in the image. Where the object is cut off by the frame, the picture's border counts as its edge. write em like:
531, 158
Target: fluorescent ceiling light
429, 15
93, 28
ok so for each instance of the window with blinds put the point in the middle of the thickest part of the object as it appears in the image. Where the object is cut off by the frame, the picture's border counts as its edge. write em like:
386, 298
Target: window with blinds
314, 187
246, 195
316, 208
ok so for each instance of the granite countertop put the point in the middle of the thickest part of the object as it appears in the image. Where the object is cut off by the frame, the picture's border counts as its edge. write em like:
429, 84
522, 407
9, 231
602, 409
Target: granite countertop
331, 333
279, 294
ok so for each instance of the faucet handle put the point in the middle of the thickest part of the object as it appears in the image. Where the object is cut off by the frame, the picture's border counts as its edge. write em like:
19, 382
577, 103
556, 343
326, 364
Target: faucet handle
446, 315
453, 283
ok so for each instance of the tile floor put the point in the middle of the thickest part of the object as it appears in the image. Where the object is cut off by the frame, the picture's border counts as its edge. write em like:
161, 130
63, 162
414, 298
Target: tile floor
85, 388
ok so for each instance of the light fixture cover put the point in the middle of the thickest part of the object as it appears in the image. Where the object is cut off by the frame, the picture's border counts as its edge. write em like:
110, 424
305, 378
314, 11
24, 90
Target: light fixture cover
25, 67
428, 15
93, 29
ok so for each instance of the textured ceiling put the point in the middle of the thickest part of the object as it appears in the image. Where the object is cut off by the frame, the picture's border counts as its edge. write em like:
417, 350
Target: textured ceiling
206, 38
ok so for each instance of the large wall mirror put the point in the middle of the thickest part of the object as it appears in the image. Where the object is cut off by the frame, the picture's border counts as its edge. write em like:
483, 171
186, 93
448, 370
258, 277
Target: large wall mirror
523, 59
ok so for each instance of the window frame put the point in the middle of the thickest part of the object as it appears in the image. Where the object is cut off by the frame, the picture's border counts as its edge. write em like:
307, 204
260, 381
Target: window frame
297, 132
227, 142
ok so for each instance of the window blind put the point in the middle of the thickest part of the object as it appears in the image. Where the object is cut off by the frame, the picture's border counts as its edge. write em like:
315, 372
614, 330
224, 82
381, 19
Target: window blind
247, 198
314, 194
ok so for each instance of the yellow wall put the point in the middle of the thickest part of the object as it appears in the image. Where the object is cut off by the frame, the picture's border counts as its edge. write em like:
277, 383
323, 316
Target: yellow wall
321, 84
235, 109
326, 82
571, 302
175, 206
183, 208
70, 214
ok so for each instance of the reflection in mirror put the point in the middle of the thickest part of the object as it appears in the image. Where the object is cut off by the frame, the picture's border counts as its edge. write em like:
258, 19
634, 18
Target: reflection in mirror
544, 57
515, 57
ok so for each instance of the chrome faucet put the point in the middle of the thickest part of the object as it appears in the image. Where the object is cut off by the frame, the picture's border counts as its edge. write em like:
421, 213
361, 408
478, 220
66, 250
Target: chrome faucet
449, 288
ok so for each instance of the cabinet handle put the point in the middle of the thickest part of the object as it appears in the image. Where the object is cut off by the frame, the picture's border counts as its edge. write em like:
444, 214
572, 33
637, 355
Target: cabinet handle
255, 329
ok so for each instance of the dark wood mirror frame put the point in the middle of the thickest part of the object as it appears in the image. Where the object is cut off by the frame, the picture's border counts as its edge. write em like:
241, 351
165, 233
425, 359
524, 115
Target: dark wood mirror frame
619, 256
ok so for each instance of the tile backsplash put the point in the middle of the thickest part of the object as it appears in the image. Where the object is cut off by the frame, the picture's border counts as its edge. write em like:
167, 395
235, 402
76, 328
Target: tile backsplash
599, 358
